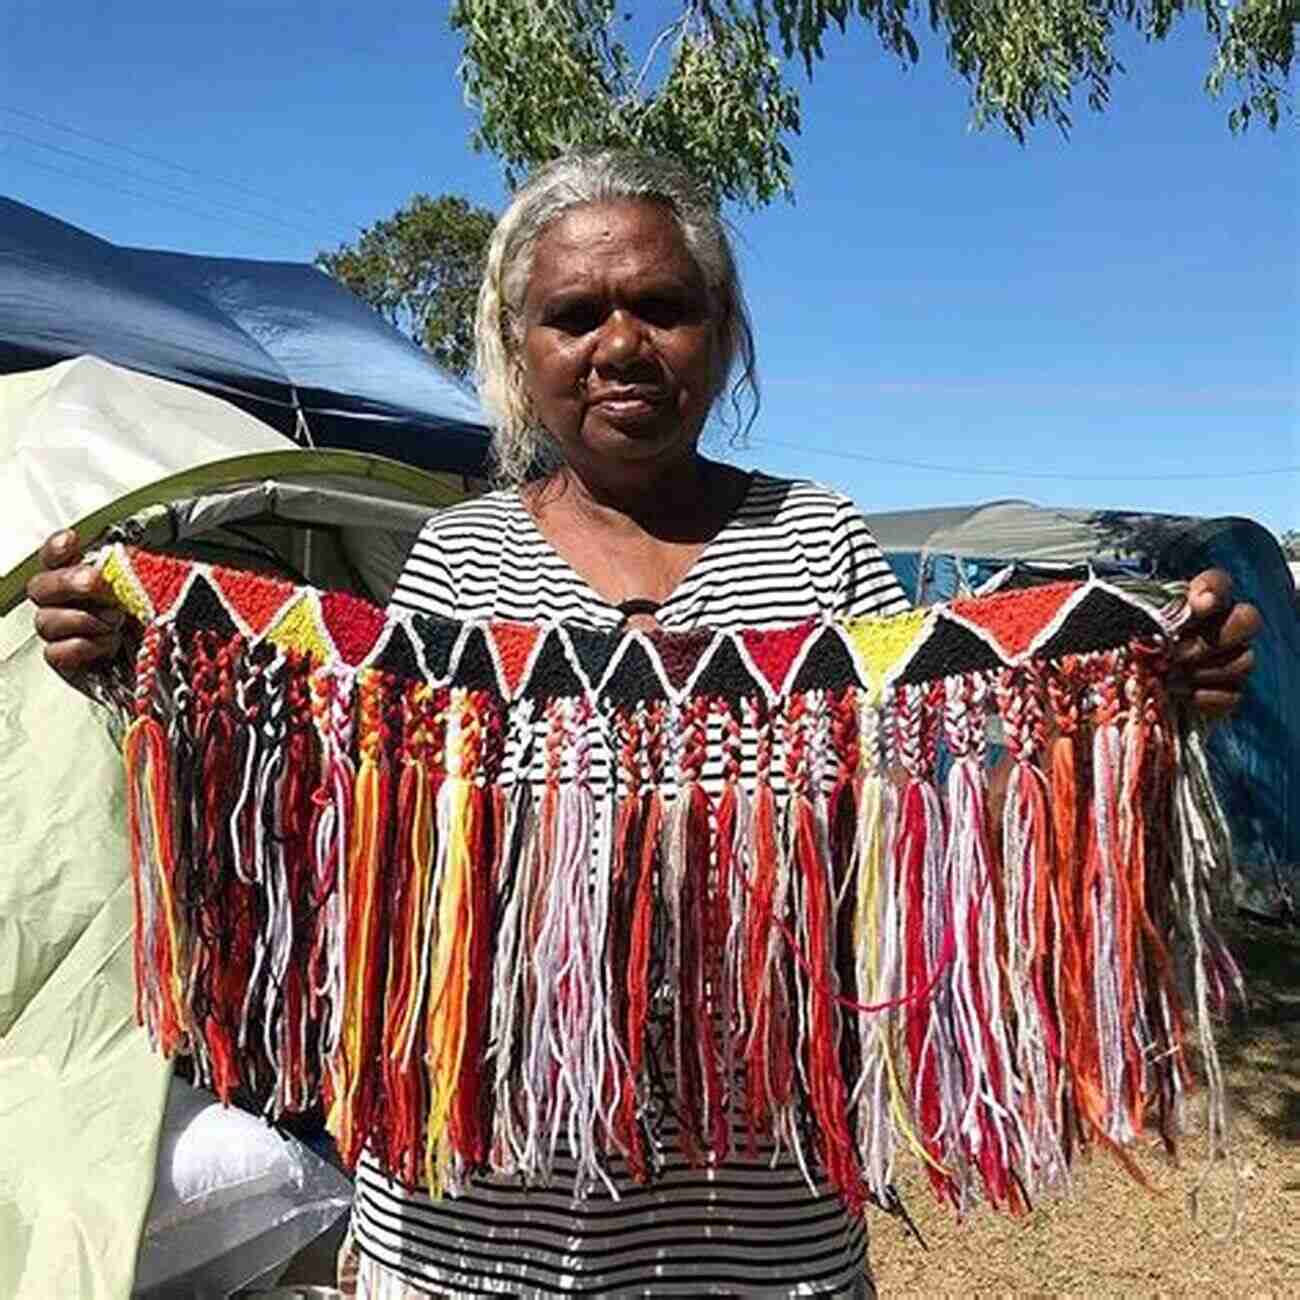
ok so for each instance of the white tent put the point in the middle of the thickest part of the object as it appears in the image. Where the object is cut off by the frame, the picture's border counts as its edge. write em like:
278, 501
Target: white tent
81, 1093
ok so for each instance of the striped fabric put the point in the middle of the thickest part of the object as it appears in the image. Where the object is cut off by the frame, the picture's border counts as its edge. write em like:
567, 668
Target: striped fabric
753, 1226
792, 551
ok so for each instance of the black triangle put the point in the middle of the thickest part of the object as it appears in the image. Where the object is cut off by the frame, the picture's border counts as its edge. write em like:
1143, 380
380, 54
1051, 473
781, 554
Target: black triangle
1100, 621
827, 666
552, 676
203, 611
950, 648
475, 670
437, 637
725, 675
398, 656
594, 650
634, 679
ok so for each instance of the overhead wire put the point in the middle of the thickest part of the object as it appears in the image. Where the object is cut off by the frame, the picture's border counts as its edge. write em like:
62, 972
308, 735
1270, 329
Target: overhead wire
105, 183
145, 156
898, 462
140, 177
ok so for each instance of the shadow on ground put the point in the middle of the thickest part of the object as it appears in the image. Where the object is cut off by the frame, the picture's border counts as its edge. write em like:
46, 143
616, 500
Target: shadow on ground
1261, 1049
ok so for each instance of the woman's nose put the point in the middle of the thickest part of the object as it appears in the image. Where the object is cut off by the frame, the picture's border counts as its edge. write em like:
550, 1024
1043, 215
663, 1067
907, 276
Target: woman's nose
620, 341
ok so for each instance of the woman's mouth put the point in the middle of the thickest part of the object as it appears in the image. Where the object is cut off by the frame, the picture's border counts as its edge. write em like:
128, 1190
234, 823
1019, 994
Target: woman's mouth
627, 405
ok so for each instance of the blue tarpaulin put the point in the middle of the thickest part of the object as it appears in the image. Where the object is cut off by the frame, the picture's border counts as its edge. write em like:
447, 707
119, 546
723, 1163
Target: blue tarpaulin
280, 339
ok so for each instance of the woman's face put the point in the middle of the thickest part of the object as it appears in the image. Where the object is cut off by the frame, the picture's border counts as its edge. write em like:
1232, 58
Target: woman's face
620, 350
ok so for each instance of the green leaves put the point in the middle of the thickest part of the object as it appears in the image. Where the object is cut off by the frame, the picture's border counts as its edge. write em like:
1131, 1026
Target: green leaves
420, 269
551, 76
548, 76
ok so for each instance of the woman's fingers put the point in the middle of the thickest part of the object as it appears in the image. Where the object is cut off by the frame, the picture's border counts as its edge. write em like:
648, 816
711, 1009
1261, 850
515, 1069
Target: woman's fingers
1220, 637
76, 586
75, 654
77, 615
61, 550
64, 624
1213, 705
1213, 659
76, 639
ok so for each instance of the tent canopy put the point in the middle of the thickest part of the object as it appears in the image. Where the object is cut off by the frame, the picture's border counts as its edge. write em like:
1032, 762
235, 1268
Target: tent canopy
91, 444
280, 339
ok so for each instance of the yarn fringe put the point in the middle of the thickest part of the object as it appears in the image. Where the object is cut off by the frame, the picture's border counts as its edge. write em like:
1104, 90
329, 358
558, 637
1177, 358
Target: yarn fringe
489, 920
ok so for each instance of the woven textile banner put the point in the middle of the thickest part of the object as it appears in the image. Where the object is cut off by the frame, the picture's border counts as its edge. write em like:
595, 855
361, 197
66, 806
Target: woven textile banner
502, 893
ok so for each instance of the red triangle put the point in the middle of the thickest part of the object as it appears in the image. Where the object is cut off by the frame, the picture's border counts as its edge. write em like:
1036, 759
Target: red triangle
680, 653
514, 644
162, 577
254, 597
1015, 618
773, 651
353, 623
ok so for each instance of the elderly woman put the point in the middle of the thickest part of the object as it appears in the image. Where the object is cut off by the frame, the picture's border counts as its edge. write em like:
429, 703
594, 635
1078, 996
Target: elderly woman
610, 324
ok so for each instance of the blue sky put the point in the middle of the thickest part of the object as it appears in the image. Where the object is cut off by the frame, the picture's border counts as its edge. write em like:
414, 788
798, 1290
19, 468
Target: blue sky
1107, 321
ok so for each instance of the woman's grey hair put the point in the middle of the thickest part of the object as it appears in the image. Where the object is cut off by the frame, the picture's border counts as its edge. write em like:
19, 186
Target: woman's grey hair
521, 447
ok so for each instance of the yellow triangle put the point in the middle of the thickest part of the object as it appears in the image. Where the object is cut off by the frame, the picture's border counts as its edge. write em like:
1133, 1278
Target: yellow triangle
879, 643
299, 628
126, 587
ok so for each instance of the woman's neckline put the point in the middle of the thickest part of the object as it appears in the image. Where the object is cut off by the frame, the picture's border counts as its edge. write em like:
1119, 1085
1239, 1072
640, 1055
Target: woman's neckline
751, 480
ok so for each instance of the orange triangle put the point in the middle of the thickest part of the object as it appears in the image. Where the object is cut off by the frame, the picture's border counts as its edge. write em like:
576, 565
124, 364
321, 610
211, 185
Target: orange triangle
514, 644
1015, 618
254, 598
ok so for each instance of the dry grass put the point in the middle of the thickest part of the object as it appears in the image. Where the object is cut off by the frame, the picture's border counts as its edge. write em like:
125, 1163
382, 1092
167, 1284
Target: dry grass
1111, 1238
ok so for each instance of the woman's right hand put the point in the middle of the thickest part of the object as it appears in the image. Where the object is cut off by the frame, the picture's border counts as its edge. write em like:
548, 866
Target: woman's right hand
77, 615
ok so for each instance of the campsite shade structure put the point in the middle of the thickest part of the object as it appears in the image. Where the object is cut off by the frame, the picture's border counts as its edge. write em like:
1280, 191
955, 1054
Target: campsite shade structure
280, 339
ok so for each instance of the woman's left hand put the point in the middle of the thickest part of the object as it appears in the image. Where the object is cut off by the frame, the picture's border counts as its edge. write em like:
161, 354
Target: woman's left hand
1213, 658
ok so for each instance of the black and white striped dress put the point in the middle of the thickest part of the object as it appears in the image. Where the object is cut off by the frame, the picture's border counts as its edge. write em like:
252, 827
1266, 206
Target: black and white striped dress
792, 551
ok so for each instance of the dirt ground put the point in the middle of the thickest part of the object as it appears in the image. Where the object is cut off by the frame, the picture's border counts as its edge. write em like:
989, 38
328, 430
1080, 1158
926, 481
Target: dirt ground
1109, 1237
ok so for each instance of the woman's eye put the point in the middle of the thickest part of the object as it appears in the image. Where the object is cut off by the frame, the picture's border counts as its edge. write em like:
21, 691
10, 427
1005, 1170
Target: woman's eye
664, 312
574, 318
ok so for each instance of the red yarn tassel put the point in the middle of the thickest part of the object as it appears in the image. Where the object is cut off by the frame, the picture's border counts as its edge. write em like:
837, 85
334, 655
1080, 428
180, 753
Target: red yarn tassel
627, 948
640, 937
365, 928
828, 1094
703, 1127
698, 959
295, 1034
405, 1091
225, 907
469, 1134
768, 1070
